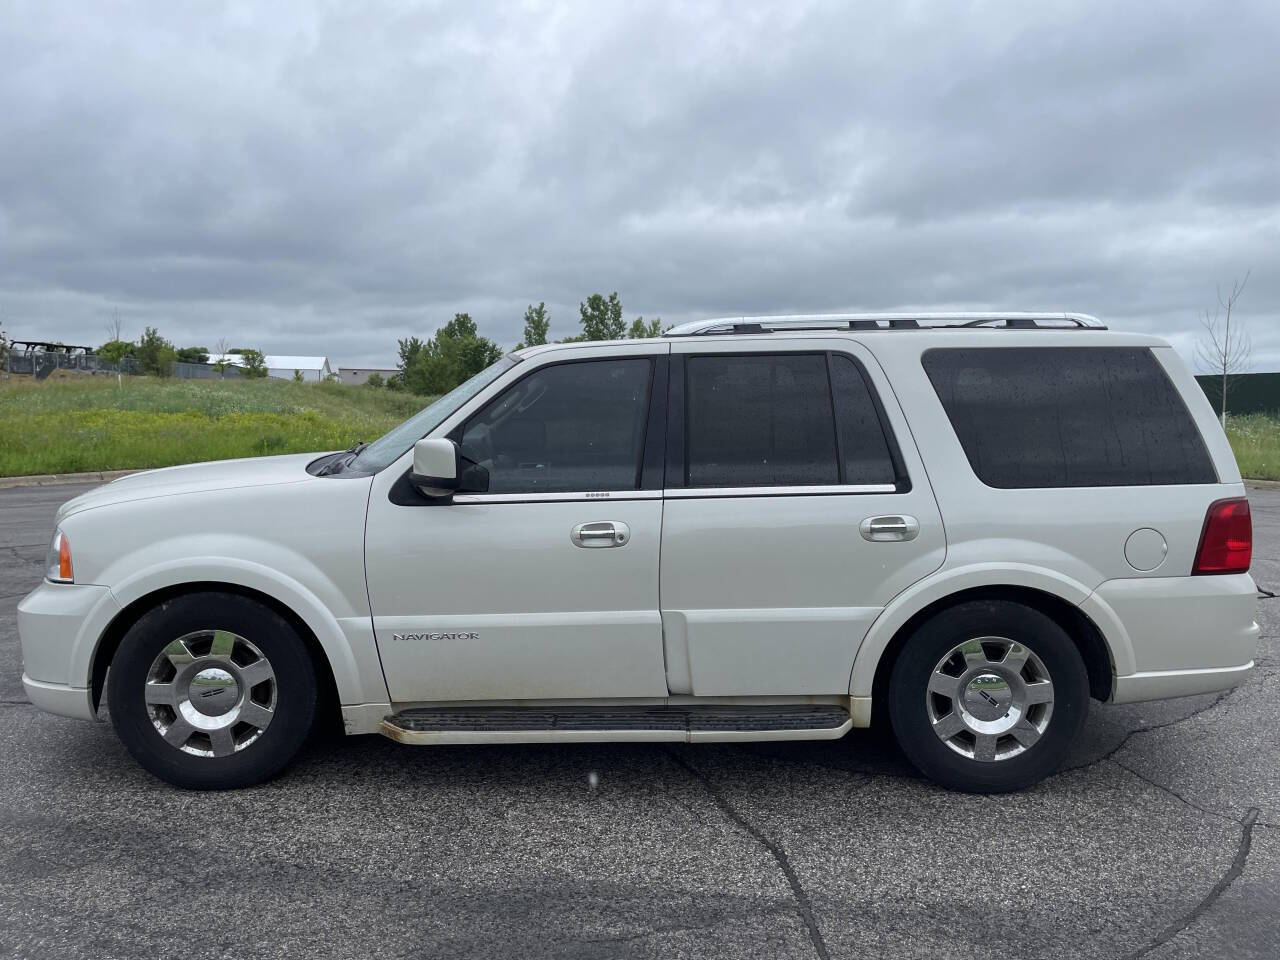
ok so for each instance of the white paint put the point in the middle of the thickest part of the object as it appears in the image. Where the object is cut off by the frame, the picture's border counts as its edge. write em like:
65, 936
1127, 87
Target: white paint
1145, 549
729, 596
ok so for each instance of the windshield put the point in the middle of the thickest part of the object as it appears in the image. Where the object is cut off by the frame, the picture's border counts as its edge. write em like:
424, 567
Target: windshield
392, 444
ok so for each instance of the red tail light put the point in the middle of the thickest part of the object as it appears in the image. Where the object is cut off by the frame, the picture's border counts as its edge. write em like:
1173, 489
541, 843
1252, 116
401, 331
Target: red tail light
1226, 543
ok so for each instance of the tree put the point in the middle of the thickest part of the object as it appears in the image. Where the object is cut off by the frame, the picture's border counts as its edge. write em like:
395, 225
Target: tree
221, 363
113, 351
536, 324
253, 364
1223, 352
155, 353
602, 318
642, 329
456, 353
297, 376
115, 328
374, 380
193, 354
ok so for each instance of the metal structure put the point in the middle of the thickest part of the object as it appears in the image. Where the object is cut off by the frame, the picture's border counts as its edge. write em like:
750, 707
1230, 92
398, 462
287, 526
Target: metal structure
886, 321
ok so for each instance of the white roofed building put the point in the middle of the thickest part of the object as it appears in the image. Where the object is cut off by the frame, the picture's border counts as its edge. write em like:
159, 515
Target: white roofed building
282, 367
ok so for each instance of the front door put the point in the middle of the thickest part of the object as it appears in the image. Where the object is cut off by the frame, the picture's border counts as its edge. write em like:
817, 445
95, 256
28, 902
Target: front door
544, 586
796, 508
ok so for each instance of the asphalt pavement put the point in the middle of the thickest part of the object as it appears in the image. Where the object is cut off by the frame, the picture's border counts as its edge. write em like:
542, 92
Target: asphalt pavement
1160, 839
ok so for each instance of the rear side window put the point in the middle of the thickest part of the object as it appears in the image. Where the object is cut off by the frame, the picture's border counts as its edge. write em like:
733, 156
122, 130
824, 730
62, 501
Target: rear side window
863, 444
1068, 417
760, 420
787, 419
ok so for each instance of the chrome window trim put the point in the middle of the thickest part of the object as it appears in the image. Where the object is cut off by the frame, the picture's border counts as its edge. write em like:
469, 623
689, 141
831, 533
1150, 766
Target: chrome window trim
587, 496
685, 493
677, 493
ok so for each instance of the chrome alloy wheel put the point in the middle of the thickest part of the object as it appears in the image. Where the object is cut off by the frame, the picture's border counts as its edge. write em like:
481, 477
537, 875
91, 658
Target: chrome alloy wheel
989, 699
211, 693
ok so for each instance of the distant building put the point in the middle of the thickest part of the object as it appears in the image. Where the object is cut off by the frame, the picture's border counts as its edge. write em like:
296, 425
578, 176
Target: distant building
355, 376
283, 367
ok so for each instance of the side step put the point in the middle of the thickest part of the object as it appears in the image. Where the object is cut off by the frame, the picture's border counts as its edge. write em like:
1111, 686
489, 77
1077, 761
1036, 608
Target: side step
670, 724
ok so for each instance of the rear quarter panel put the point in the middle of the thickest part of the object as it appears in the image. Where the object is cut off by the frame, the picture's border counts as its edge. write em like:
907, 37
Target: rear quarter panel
1066, 541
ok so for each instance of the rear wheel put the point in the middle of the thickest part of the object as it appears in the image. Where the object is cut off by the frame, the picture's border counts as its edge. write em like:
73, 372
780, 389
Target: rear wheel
212, 691
988, 696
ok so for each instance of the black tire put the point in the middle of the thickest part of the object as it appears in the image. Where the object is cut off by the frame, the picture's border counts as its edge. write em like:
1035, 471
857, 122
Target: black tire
294, 693
909, 705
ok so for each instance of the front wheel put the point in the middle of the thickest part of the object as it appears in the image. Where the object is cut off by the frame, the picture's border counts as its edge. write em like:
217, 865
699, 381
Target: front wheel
212, 691
988, 696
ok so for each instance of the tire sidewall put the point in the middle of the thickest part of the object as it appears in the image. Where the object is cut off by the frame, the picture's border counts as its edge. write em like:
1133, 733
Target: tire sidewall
1023, 625
261, 626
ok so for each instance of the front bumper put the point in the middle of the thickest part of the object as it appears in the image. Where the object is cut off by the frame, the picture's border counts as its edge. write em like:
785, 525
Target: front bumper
59, 625
76, 702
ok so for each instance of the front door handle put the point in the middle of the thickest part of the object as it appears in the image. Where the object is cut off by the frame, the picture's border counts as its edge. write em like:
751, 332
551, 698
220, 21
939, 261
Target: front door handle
884, 529
602, 533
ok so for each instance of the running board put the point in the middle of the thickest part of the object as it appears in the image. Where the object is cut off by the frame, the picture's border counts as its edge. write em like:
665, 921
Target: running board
674, 724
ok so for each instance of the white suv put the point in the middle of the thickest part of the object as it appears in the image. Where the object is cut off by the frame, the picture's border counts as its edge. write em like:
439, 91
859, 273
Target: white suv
751, 529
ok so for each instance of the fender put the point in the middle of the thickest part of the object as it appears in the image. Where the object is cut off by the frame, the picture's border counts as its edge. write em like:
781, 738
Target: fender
940, 585
347, 643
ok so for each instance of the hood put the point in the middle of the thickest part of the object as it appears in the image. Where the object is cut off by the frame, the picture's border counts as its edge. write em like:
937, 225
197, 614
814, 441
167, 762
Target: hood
194, 478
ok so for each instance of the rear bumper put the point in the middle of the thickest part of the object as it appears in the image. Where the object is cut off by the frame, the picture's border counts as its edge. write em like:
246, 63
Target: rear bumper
1159, 684
1178, 636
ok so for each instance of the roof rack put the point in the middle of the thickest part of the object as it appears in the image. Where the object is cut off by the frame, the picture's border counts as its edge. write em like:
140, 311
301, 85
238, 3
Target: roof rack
887, 321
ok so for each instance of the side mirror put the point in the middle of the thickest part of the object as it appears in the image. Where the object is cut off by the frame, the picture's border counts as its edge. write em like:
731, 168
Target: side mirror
435, 467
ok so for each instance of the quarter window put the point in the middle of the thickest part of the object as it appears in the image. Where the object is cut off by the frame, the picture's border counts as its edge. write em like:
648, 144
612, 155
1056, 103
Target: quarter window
570, 427
1068, 417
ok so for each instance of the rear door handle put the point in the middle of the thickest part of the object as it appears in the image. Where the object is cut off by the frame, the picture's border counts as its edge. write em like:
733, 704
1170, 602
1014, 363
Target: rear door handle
602, 533
885, 529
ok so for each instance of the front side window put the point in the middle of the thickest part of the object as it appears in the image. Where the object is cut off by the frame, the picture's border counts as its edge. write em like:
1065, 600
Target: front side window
1068, 417
394, 443
569, 427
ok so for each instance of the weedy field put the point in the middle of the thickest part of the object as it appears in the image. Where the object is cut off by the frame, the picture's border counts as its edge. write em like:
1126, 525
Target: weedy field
1255, 438
73, 423
79, 423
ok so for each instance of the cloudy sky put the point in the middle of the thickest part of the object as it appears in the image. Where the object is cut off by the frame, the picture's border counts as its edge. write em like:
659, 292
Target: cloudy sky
325, 178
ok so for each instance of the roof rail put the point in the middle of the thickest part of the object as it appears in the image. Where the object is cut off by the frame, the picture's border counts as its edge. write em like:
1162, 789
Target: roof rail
886, 321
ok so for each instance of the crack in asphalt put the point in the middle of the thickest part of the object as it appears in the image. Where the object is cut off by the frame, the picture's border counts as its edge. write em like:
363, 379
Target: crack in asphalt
778, 854
1219, 888
1155, 726
15, 547
1174, 793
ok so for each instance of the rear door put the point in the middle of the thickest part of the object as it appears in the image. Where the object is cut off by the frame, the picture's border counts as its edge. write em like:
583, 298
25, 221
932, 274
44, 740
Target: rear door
796, 508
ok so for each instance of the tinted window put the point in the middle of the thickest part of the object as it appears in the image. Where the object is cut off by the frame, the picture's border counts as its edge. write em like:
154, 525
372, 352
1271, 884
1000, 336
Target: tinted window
573, 427
760, 420
863, 445
1068, 417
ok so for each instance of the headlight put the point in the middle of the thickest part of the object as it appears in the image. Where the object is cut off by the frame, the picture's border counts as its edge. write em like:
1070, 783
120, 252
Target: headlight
58, 563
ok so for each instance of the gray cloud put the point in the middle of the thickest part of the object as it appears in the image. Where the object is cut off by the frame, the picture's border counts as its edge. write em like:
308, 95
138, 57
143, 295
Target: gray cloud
327, 180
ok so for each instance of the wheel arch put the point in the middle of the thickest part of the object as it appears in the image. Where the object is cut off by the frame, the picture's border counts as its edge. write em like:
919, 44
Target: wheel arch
878, 653
328, 704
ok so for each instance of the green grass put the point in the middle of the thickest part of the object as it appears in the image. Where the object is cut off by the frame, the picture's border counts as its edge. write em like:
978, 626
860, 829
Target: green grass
1255, 438
79, 423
